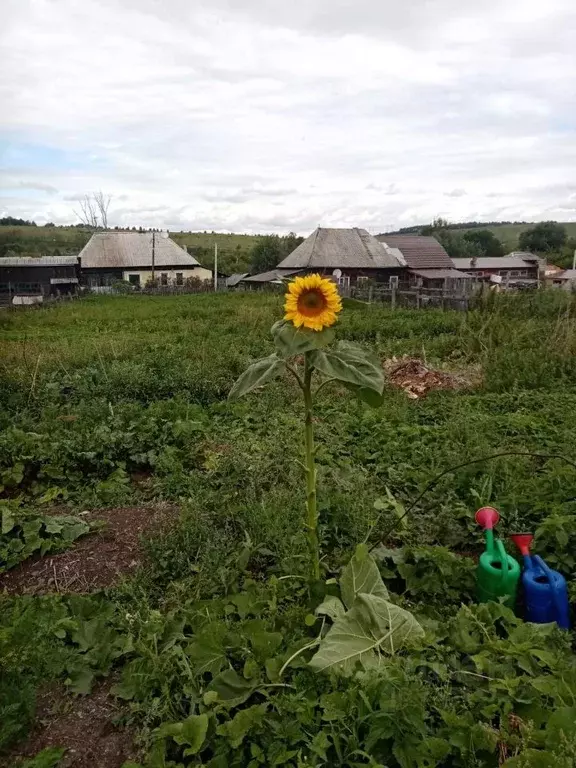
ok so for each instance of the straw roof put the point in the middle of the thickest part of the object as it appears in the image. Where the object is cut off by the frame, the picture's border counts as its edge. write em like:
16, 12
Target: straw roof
344, 249
133, 250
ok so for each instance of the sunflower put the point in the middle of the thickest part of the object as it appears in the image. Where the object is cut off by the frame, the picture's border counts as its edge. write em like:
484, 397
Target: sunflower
312, 302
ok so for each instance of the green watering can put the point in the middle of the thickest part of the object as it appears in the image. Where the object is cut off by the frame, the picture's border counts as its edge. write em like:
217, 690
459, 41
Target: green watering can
497, 574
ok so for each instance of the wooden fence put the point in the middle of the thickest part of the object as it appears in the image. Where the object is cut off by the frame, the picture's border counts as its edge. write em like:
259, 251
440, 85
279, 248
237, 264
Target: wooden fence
413, 298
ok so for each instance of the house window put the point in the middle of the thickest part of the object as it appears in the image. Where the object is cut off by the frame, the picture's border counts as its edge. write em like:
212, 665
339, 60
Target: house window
179, 278
134, 279
393, 281
344, 281
362, 279
164, 278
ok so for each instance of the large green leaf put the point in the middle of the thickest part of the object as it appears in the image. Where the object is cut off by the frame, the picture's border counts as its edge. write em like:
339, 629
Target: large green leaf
350, 365
361, 576
8, 521
331, 606
256, 375
372, 626
291, 341
242, 723
190, 732
207, 654
231, 689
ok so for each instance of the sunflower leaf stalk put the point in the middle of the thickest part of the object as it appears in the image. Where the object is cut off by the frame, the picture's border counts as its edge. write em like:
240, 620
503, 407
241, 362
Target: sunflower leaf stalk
302, 342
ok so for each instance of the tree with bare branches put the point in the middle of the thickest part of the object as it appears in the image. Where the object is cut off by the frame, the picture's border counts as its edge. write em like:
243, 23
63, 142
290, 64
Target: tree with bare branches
88, 213
102, 203
93, 211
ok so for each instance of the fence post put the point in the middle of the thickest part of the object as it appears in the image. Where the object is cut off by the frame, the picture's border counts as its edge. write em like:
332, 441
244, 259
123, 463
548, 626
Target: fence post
418, 298
393, 297
370, 294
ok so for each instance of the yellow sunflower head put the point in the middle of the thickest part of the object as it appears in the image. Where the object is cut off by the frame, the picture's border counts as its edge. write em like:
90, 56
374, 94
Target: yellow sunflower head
312, 302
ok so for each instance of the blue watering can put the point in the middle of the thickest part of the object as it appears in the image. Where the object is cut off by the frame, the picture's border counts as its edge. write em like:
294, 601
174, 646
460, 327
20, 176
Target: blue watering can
545, 591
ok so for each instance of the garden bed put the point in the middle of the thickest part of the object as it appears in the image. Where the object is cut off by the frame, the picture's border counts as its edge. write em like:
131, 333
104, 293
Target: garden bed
97, 560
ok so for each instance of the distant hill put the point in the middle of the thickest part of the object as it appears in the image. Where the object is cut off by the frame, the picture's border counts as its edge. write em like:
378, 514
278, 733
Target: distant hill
507, 232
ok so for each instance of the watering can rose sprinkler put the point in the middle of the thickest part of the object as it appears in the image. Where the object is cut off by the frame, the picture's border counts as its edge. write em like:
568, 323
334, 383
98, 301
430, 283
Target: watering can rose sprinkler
498, 573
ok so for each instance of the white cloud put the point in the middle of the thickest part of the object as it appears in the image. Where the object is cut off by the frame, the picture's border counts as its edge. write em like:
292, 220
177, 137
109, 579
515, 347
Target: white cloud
254, 115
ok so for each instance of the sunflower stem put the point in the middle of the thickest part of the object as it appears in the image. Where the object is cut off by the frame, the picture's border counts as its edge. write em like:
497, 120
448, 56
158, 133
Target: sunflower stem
311, 506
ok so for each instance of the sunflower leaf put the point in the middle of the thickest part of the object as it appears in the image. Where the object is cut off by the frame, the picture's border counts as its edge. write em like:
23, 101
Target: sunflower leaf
291, 341
256, 375
361, 576
369, 396
371, 627
350, 365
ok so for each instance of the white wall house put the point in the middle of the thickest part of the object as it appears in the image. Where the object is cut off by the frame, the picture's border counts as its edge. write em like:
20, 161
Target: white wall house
134, 257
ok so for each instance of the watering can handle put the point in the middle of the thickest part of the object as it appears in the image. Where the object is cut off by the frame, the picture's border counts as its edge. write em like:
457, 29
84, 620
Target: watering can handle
550, 574
502, 557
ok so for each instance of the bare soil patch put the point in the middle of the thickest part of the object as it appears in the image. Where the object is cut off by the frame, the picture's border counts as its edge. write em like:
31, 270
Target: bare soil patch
85, 726
97, 560
416, 378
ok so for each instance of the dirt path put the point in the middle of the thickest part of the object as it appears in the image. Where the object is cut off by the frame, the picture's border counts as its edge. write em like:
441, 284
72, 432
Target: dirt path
84, 726
95, 561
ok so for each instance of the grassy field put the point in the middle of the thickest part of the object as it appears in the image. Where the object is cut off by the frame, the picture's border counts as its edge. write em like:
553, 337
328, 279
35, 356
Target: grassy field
115, 402
509, 234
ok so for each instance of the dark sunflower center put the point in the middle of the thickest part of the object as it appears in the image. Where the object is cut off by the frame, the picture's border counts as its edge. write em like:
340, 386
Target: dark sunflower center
311, 303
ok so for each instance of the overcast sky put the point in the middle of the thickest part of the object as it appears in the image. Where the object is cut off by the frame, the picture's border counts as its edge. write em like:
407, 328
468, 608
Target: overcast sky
268, 115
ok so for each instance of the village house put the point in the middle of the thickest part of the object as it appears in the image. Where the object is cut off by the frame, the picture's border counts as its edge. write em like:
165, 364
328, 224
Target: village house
137, 258
518, 267
29, 280
352, 256
565, 278
428, 263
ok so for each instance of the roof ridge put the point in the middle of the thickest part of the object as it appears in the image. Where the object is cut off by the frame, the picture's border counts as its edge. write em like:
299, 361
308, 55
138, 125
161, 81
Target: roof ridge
316, 232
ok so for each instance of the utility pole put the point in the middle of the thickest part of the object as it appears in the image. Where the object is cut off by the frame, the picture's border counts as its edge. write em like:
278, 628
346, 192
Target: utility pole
153, 255
215, 266
574, 261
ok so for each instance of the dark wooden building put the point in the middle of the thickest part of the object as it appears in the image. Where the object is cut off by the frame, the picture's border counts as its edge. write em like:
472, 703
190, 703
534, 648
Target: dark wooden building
350, 255
29, 279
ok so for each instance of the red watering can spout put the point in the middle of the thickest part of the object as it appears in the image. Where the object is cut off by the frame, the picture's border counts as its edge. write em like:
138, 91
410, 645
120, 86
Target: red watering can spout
487, 517
523, 541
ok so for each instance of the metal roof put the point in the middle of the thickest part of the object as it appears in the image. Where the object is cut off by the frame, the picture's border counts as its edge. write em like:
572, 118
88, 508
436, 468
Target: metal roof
567, 274
420, 252
437, 274
272, 276
131, 250
341, 249
233, 280
493, 262
38, 261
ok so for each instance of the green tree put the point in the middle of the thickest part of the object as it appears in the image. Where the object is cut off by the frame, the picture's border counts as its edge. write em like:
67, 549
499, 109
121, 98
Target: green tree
545, 237
266, 254
456, 246
270, 250
486, 240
